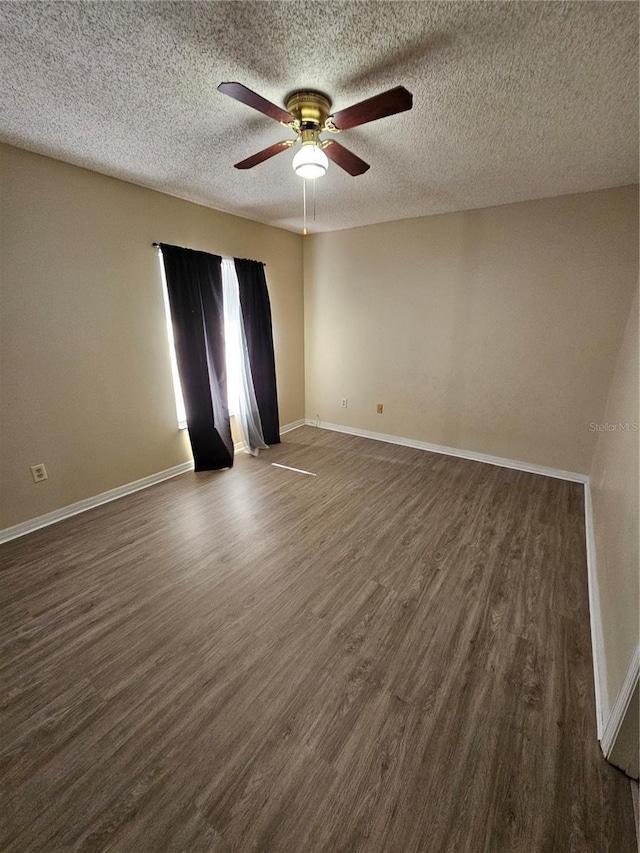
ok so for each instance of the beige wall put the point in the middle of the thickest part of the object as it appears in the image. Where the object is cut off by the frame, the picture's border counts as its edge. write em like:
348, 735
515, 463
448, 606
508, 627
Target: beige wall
491, 330
85, 377
616, 512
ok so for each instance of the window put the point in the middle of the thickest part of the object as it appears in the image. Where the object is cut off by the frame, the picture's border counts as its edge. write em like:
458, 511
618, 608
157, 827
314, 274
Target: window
177, 388
232, 333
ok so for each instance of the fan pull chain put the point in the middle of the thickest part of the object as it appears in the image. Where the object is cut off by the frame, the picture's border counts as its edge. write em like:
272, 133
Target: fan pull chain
314, 200
304, 207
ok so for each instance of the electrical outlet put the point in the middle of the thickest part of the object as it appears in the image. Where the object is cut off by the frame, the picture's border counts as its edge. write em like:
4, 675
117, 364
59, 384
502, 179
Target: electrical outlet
379, 408
39, 473
343, 402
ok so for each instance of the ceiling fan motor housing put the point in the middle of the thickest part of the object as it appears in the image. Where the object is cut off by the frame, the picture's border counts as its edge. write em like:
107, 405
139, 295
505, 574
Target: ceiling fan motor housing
310, 109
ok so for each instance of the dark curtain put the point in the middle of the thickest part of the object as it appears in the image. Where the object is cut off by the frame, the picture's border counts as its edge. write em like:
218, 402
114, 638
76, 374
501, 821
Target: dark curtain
194, 282
256, 319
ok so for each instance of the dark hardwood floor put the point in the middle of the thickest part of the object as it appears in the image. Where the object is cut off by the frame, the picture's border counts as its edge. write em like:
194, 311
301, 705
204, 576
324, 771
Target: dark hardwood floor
392, 655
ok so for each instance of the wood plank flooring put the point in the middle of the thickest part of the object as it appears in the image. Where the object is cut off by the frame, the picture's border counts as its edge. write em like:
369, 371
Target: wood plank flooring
392, 655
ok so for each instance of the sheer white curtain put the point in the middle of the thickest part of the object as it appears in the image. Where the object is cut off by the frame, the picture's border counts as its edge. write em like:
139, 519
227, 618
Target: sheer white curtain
238, 367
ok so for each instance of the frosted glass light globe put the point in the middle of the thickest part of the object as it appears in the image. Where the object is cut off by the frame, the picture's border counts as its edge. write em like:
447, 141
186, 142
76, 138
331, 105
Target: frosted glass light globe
310, 162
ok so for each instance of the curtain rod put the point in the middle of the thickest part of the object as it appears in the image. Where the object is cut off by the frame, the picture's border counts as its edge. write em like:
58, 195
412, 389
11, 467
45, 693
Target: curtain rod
157, 246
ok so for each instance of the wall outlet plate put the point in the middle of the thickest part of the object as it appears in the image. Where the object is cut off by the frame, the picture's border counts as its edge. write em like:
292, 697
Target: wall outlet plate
379, 408
39, 472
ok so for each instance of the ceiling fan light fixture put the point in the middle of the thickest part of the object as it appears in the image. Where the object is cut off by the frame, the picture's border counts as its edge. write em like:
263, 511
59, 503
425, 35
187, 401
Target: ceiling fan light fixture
310, 161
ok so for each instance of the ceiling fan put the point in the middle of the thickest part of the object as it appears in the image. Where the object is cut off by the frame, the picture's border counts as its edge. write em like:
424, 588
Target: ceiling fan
308, 114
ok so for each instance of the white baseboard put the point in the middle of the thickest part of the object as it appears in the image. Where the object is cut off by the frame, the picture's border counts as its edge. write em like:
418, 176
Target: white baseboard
292, 425
603, 706
56, 515
621, 705
239, 446
474, 456
609, 717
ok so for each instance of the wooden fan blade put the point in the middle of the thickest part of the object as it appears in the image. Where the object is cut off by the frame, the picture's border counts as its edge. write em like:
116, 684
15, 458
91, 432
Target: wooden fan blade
386, 104
344, 158
265, 154
257, 102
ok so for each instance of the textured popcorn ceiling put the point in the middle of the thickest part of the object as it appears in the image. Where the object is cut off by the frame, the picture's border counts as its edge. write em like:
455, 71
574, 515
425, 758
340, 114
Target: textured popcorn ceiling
512, 101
